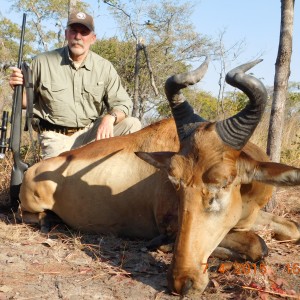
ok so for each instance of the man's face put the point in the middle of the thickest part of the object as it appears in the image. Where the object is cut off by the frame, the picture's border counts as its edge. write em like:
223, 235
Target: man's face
80, 38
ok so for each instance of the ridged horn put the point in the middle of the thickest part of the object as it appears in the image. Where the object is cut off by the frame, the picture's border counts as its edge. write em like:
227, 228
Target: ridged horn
185, 118
237, 130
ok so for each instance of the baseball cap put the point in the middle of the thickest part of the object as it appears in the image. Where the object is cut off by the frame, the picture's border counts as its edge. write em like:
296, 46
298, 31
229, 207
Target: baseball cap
81, 18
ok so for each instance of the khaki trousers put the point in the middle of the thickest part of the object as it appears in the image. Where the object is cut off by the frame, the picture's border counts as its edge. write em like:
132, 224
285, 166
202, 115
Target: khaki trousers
53, 143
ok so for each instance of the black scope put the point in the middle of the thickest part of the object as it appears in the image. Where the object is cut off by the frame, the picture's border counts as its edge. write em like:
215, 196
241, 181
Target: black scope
3, 129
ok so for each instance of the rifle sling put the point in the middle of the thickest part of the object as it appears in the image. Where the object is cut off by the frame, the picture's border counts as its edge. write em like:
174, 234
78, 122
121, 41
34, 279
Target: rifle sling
28, 84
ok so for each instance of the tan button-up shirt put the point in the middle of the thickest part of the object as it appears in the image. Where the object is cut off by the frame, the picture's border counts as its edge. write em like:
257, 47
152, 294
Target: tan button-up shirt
74, 97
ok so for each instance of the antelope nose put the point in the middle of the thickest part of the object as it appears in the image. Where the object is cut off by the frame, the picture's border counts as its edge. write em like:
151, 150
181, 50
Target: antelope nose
188, 283
186, 286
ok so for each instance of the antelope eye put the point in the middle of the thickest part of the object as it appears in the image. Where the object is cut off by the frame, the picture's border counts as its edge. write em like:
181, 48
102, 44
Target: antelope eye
224, 185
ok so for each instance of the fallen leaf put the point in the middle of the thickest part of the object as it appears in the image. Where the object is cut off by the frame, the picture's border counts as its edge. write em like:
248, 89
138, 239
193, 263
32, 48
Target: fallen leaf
216, 284
50, 243
277, 289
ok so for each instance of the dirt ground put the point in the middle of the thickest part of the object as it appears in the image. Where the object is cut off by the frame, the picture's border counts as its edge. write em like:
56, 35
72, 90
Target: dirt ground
69, 265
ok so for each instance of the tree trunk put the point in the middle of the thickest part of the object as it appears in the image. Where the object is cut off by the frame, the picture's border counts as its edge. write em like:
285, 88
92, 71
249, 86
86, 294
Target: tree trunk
135, 110
282, 73
150, 71
72, 6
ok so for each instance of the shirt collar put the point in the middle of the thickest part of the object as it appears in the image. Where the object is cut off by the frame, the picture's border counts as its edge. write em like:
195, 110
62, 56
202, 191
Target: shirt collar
87, 63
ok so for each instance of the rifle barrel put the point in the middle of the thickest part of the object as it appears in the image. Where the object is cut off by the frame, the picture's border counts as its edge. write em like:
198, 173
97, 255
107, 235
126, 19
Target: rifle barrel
19, 166
20, 55
17, 99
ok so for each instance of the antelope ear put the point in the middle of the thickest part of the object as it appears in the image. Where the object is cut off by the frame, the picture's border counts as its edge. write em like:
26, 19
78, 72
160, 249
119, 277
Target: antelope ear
268, 172
277, 174
160, 160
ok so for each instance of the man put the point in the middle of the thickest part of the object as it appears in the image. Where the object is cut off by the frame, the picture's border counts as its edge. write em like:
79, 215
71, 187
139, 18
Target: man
78, 95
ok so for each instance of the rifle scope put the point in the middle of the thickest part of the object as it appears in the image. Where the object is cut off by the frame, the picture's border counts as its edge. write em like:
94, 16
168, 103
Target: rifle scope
3, 129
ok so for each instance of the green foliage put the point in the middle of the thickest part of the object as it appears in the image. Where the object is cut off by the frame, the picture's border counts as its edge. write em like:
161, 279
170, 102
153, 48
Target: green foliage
293, 98
292, 153
203, 103
46, 10
46, 20
10, 33
241, 100
120, 54
293, 104
232, 103
10, 41
169, 26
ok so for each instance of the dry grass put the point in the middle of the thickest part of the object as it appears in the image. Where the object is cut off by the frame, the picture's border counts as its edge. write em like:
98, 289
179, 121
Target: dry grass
290, 148
6, 166
5, 174
62, 239
21, 233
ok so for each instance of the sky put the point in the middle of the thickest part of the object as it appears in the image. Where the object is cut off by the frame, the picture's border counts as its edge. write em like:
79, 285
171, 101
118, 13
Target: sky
256, 22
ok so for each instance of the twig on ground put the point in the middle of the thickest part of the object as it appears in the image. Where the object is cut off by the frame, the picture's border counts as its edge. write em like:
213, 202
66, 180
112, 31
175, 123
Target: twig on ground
271, 293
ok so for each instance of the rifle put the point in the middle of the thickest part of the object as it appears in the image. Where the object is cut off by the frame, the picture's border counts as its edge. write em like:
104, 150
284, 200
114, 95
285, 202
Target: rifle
19, 166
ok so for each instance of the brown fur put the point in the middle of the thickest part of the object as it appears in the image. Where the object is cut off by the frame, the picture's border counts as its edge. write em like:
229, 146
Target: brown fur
200, 190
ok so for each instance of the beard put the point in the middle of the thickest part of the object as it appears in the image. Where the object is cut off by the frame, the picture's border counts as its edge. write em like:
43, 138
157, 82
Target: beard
76, 47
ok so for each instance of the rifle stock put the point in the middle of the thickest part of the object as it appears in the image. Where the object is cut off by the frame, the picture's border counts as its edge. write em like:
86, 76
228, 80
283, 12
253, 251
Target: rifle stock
19, 166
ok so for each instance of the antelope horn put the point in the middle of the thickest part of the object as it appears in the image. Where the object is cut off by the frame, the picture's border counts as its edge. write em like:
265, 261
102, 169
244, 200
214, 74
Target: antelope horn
237, 130
185, 118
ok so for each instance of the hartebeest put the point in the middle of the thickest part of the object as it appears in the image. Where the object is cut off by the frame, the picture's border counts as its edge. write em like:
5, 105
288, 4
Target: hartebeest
204, 184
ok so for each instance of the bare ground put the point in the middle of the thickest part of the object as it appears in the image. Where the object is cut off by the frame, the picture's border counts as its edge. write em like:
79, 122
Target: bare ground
69, 265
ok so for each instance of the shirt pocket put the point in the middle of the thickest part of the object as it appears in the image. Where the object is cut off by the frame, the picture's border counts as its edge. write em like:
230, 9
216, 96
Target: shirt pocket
94, 92
53, 91
93, 96
55, 96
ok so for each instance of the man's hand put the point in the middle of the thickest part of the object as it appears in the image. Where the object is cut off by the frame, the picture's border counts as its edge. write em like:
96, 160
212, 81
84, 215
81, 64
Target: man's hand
16, 77
106, 128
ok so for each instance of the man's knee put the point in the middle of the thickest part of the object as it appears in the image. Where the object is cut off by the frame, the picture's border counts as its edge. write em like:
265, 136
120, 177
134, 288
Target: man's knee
134, 124
53, 143
128, 125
